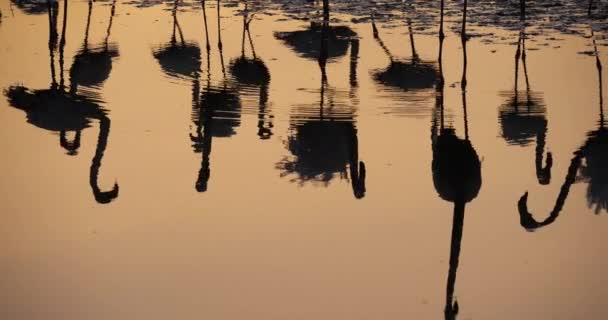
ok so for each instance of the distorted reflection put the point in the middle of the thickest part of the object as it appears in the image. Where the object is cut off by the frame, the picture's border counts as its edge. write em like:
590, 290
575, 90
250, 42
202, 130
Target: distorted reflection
405, 74
217, 113
33, 6
251, 73
305, 43
92, 66
323, 139
588, 162
522, 117
456, 168
58, 110
179, 59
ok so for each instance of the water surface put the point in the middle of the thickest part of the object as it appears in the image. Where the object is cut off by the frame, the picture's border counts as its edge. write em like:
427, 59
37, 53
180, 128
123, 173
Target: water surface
282, 177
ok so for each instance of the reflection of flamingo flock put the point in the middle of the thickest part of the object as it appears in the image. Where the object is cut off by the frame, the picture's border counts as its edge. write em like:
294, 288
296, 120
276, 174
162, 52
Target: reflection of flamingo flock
323, 139
323, 136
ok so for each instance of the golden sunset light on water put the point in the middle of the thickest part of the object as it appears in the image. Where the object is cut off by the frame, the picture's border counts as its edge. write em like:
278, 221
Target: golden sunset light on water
295, 159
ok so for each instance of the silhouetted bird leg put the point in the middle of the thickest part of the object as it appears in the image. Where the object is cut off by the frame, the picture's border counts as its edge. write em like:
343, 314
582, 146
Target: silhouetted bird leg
219, 38
525, 217
523, 62
381, 43
326, 10
52, 37
62, 43
53, 9
323, 54
246, 21
451, 305
374, 29
174, 14
250, 41
176, 25
516, 83
463, 82
438, 96
243, 37
108, 31
415, 57
441, 81
208, 46
598, 65
441, 34
86, 32
219, 33
464, 20
102, 142
70, 146
522, 43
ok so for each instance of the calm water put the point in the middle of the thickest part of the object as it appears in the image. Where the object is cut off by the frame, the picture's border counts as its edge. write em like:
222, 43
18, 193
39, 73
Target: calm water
305, 170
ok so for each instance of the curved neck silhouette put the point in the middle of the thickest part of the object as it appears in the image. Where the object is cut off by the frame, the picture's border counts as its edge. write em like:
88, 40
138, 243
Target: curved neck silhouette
451, 305
205, 114
102, 142
526, 219
356, 167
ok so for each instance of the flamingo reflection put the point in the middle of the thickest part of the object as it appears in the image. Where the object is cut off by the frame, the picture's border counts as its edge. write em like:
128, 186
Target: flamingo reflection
58, 110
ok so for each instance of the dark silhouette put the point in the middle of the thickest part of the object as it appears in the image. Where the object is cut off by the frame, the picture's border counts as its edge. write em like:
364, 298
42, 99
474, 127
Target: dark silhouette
56, 110
216, 114
456, 168
305, 43
589, 159
405, 74
522, 117
325, 143
179, 59
90, 68
33, 6
252, 73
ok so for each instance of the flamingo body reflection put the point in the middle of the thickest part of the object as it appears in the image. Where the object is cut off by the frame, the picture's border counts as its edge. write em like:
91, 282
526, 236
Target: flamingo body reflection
587, 165
57, 110
323, 139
